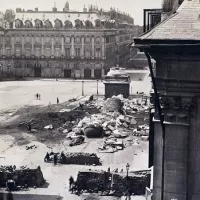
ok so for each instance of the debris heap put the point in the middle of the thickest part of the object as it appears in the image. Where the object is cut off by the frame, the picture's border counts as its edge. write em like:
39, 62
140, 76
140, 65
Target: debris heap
81, 159
78, 158
23, 175
102, 181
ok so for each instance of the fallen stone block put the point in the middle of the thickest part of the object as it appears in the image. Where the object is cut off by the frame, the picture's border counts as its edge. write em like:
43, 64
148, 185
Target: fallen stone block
125, 125
111, 128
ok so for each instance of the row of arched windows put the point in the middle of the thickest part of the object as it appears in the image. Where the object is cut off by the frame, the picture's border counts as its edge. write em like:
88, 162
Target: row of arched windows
57, 24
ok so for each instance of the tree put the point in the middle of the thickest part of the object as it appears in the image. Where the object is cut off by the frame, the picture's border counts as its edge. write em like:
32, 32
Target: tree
9, 15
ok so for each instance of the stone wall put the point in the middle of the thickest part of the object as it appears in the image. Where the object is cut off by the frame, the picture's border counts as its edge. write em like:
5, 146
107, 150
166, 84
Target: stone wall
101, 180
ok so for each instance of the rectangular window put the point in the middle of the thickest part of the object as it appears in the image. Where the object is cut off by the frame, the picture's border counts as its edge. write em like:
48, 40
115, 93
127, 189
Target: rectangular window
8, 39
37, 52
28, 52
67, 52
8, 52
87, 54
107, 40
98, 52
78, 52
48, 52
18, 39
18, 52
57, 52
28, 39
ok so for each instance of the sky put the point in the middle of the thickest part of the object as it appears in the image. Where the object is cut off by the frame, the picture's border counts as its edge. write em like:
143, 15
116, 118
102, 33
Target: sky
133, 7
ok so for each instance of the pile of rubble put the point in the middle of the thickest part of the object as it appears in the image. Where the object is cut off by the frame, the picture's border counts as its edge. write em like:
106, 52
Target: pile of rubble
117, 118
77, 158
96, 181
22, 176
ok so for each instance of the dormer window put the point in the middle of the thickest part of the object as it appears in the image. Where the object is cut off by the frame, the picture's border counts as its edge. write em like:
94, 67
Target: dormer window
58, 24
28, 24
18, 23
38, 23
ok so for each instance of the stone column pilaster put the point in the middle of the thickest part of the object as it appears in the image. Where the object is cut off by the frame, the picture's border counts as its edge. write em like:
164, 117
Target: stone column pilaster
62, 47
93, 47
52, 46
42, 50
82, 47
72, 47
32, 46
103, 47
3, 43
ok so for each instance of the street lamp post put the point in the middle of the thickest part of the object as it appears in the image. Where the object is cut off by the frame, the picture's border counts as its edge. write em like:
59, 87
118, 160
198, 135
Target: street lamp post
82, 88
97, 86
127, 169
127, 192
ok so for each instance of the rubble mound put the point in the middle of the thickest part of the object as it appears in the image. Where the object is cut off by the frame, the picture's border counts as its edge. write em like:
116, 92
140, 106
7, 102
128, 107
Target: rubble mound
101, 181
23, 175
81, 159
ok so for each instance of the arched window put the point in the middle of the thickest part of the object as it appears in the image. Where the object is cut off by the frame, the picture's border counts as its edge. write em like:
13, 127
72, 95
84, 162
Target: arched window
37, 39
47, 39
77, 40
68, 39
18, 39
8, 39
58, 24
87, 40
58, 40
88, 24
48, 24
37, 64
78, 23
98, 23
28, 65
18, 23
38, 23
28, 24
68, 24
97, 40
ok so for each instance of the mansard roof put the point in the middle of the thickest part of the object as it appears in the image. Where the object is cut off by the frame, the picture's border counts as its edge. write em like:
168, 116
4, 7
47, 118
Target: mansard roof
62, 16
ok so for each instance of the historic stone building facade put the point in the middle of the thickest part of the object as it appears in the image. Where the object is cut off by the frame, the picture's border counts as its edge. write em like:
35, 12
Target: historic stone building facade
63, 44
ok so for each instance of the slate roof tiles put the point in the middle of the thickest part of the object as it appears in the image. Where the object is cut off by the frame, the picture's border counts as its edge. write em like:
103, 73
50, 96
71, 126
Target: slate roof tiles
182, 25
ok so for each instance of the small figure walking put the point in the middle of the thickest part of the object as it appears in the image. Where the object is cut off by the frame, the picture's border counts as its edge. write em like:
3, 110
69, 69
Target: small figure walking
47, 157
71, 182
37, 96
29, 127
57, 100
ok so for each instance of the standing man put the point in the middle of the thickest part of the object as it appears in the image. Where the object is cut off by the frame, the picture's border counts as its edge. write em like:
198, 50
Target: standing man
29, 127
55, 159
57, 100
71, 182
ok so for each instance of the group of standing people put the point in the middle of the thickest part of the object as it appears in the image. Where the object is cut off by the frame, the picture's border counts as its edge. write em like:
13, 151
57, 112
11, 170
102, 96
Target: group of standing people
38, 97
